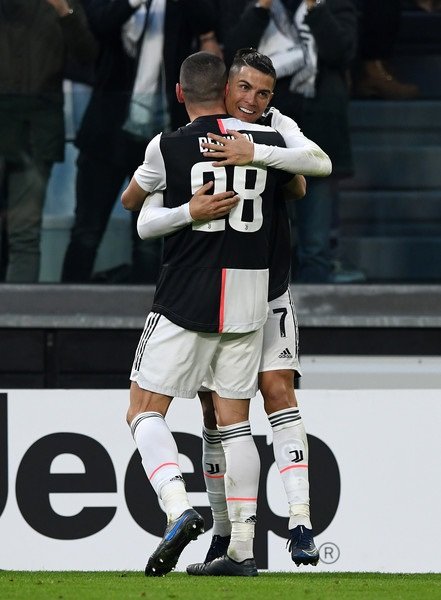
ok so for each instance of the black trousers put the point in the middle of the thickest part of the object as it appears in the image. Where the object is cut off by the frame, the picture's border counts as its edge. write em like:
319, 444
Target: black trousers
379, 26
98, 187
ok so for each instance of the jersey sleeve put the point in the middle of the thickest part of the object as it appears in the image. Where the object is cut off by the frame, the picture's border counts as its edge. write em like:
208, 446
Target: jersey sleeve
151, 174
155, 220
302, 156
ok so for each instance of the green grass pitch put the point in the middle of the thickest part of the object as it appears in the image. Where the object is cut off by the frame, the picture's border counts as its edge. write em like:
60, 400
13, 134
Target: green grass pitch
179, 586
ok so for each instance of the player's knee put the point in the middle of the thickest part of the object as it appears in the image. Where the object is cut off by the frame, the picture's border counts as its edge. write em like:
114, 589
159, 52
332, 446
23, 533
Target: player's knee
143, 401
132, 412
278, 391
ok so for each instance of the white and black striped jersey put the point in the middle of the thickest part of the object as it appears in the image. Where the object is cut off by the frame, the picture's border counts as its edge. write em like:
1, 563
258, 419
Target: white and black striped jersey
280, 242
214, 276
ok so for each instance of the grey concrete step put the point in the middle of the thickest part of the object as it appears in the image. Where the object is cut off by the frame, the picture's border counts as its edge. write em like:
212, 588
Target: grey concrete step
389, 206
116, 307
396, 167
395, 115
423, 71
402, 259
394, 229
387, 123
390, 211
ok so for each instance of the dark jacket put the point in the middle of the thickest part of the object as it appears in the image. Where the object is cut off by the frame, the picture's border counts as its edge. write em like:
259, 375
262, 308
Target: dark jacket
240, 24
325, 119
34, 45
333, 24
100, 131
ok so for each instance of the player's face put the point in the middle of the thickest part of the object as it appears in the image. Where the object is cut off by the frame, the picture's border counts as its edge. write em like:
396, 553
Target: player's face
249, 92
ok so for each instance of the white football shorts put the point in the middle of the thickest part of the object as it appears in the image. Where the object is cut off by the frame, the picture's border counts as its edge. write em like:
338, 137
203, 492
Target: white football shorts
173, 361
281, 336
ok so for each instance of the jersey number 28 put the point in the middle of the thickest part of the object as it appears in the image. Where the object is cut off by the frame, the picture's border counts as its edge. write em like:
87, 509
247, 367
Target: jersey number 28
240, 177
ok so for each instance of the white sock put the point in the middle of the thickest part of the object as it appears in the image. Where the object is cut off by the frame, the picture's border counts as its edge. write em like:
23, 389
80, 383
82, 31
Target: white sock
213, 465
241, 486
159, 454
241, 545
290, 446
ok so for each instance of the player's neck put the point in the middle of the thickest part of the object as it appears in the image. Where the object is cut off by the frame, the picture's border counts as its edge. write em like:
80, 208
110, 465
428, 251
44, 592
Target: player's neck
202, 110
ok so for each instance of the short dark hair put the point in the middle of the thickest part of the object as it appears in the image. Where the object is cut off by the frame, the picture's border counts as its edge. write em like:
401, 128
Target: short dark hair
250, 57
203, 77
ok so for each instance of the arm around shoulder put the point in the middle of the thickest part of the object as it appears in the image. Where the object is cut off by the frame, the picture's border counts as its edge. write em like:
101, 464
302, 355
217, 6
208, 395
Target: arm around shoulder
307, 160
155, 220
301, 155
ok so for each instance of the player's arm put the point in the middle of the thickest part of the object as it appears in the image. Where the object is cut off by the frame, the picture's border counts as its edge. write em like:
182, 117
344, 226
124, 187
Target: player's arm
305, 160
310, 158
156, 220
148, 177
295, 189
301, 156
133, 196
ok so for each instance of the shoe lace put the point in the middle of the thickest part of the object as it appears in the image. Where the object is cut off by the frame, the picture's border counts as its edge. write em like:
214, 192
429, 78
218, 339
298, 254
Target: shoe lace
299, 538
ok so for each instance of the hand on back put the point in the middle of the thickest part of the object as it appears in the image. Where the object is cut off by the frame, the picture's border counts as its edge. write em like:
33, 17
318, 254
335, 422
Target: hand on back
205, 206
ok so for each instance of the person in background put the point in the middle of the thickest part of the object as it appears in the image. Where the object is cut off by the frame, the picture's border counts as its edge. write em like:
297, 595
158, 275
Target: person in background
312, 44
379, 27
142, 45
36, 38
427, 5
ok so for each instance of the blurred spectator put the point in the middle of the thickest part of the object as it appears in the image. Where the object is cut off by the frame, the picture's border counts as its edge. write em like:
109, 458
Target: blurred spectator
143, 44
311, 44
426, 5
36, 37
379, 27
244, 24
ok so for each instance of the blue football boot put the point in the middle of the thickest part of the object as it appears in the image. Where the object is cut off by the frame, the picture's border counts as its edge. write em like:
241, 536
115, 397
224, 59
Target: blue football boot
302, 547
177, 536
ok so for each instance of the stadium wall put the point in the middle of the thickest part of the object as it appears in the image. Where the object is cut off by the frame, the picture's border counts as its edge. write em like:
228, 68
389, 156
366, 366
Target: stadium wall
85, 336
73, 495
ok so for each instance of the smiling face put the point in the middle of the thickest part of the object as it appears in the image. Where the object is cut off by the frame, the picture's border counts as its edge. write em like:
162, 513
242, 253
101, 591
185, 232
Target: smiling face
249, 92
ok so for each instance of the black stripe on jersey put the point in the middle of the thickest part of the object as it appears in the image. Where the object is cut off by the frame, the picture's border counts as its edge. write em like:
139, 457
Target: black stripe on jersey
187, 291
152, 321
267, 117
